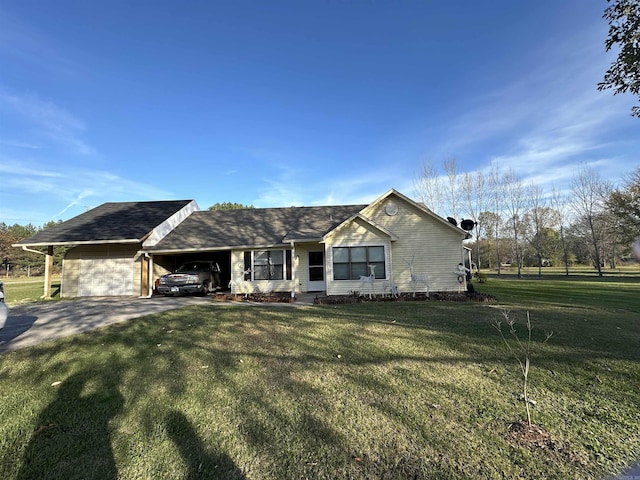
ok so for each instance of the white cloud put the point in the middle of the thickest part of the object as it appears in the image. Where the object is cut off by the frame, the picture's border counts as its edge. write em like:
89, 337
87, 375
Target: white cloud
50, 120
34, 195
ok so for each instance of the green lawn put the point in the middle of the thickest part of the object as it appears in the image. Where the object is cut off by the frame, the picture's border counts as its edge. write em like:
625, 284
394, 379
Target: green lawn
20, 290
389, 390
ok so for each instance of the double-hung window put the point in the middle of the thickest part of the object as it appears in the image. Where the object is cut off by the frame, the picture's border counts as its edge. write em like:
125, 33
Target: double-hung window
268, 265
351, 263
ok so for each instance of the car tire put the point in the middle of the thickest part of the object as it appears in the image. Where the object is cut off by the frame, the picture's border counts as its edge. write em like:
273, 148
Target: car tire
205, 289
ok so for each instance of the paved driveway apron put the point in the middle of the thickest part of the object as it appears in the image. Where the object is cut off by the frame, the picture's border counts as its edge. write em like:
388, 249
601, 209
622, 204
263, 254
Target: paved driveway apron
33, 323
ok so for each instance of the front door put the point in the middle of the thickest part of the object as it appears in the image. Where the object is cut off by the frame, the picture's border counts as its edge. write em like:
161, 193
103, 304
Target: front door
316, 272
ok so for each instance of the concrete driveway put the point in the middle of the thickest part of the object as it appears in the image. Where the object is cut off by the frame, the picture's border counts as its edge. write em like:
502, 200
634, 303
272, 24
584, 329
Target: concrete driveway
33, 323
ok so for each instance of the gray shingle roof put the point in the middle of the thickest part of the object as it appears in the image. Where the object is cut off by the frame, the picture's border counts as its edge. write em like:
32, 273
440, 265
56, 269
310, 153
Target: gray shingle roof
217, 229
110, 222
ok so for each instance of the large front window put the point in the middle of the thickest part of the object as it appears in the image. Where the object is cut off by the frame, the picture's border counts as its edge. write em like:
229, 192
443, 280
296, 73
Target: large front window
351, 263
268, 265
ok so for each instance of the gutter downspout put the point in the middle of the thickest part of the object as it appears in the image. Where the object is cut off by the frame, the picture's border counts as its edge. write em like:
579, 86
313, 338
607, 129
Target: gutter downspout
48, 264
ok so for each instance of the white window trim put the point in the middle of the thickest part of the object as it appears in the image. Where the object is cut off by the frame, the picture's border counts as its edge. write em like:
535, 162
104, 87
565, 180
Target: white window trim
284, 264
387, 259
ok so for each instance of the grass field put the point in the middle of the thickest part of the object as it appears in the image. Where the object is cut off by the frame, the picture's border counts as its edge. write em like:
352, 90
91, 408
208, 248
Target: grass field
390, 390
20, 290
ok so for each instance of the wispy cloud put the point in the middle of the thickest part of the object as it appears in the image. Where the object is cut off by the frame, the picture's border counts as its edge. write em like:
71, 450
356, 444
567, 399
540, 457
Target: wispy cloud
544, 122
64, 193
314, 183
52, 121
27, 44
20, 144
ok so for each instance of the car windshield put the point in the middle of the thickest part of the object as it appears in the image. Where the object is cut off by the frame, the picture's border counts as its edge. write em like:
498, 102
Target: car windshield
193, 267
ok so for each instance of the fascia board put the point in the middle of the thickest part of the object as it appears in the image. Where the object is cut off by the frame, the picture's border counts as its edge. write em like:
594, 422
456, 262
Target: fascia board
166, 227
127, 241
366, 220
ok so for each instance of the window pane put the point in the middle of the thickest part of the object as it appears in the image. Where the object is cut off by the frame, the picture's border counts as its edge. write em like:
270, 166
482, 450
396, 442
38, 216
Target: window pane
261, 258
316, 258
379, 270
276, 257
359, 254
316, 274
341, 271
358, 270
340, 255
260, 272
276, 272
376, 254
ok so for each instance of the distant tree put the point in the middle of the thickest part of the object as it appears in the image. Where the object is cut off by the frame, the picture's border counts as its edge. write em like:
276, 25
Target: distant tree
475, 189
558, 201
588, 194
229, 206
623, 75
451, 168
428, 187
496, 189
16, 257
515, 204
541, 219
490, 251
624, 205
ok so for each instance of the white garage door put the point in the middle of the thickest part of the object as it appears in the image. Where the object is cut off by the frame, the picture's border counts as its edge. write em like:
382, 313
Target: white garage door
102, 277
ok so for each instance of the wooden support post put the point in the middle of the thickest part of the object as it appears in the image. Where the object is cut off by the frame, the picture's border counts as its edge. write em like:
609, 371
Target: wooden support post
48, 272
144, 283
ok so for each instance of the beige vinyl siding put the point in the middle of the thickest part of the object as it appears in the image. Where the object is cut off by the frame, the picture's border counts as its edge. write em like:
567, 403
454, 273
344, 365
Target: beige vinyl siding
239, 285
433, 245
101, 270
356, 233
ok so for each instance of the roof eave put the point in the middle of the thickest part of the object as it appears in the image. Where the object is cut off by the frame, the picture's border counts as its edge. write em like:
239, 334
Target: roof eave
223, 248
86, 242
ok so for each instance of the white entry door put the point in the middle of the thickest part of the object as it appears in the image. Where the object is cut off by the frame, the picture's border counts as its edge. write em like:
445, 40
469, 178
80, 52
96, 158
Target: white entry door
316, 272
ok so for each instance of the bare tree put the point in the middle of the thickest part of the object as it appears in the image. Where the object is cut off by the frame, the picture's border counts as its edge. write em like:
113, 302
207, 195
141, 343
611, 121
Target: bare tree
539, 218
475, 187
428, 187
515, 203
451, 168
588, 193
496, 187
560, 206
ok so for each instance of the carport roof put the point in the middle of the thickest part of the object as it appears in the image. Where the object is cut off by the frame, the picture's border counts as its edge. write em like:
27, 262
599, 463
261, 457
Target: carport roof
224, 229
110, 222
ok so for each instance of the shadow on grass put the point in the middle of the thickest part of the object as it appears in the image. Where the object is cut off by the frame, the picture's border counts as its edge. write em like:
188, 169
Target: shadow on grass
16, 325
71, 437
200, 462
267, 363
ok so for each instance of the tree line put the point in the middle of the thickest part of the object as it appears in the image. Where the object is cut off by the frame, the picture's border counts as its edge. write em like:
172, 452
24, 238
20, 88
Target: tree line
593, 222
16, 261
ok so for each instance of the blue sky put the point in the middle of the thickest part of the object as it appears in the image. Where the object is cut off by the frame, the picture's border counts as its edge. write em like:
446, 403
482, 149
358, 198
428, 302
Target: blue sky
285, 103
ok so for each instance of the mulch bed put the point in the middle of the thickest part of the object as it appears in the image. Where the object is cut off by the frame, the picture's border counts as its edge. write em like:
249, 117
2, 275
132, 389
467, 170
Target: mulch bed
358, 298
256, 297
530, 436
407, 297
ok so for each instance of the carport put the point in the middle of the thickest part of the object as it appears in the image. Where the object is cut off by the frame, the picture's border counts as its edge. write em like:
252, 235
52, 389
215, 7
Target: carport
164, 262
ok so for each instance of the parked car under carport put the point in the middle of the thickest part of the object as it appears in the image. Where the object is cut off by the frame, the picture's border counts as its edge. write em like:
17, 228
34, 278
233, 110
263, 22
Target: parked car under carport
195, 277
